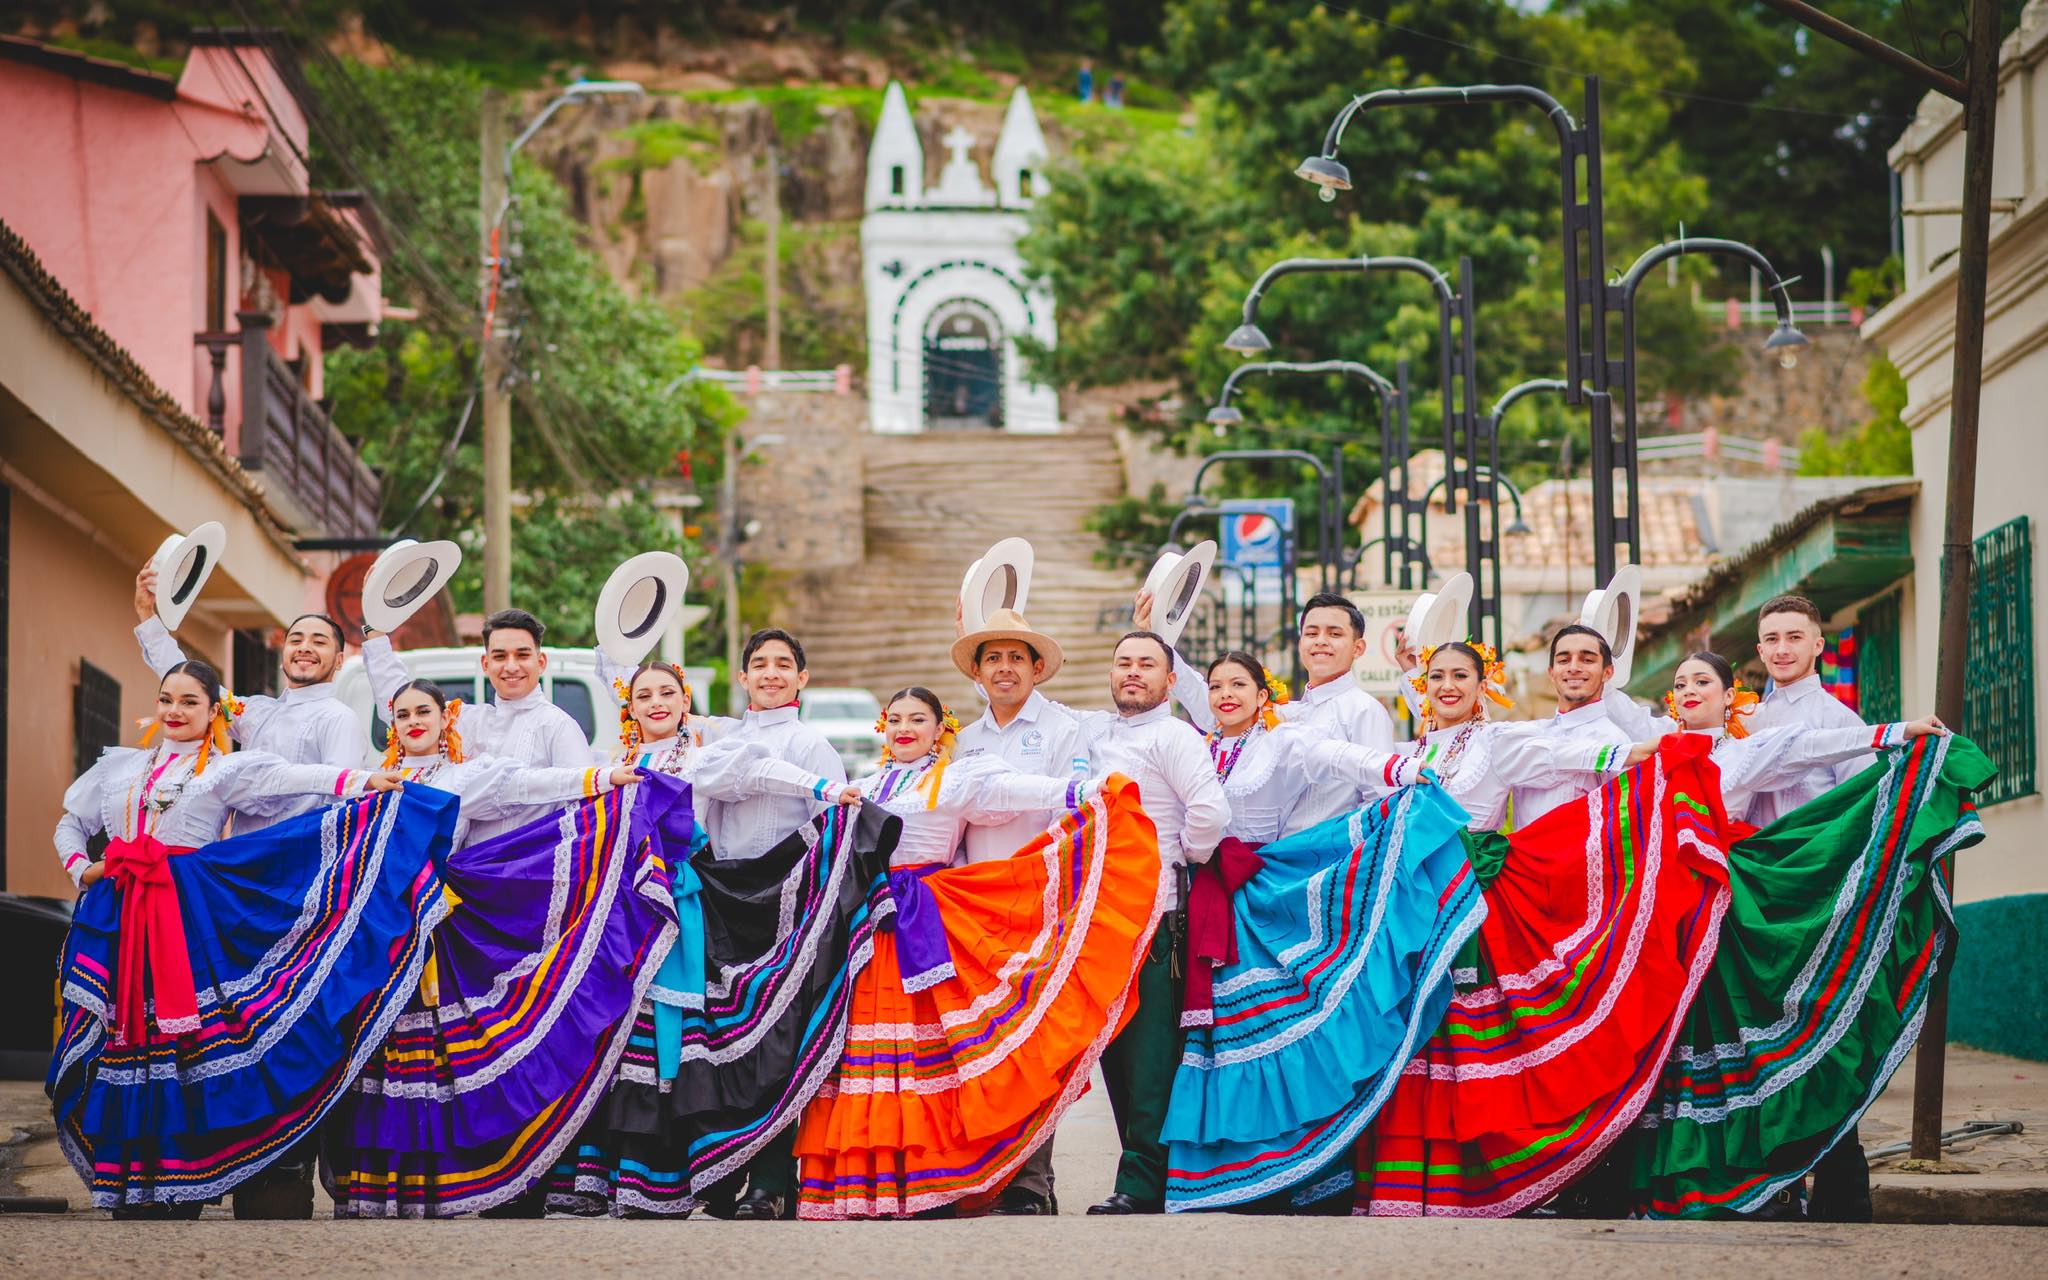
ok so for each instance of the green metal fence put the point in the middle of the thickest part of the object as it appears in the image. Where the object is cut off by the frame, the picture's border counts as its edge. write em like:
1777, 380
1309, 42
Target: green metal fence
1880, 698
2000, 709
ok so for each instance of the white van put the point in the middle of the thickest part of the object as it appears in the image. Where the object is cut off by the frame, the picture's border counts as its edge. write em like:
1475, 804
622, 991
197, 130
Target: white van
571, 681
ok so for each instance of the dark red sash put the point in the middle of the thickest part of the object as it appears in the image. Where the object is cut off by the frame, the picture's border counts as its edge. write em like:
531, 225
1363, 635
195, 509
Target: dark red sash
152, 942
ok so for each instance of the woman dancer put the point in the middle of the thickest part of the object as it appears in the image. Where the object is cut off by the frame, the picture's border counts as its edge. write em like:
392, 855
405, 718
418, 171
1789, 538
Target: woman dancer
556, 930
988, 1005
1600, 922
218, 995
747, 1011
1839, 922
1329, 966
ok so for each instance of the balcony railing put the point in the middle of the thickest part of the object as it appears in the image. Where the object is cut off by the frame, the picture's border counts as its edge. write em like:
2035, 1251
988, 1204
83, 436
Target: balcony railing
311, 469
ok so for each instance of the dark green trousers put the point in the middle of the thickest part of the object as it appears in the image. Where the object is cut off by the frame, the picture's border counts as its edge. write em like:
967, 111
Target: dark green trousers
773, 1168
1138, 1069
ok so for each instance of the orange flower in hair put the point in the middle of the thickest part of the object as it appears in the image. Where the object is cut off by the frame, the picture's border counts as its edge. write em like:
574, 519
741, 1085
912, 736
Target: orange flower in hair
1277, 694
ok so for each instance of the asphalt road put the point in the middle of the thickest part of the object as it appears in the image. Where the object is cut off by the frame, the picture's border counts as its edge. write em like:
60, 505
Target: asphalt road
86, 1245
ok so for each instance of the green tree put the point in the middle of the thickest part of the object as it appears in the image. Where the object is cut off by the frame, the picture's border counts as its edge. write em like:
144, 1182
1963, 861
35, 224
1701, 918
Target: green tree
1883, 446
598, 416
1151, 247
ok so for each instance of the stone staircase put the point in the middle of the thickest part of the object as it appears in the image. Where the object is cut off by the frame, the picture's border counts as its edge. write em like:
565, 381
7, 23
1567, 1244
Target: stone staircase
934, 502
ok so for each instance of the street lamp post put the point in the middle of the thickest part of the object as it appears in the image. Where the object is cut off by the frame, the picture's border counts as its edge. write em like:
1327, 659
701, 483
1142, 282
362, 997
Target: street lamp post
1386, 395
1487, 589
1583, 223
1456, 378
494, 203
1589, 374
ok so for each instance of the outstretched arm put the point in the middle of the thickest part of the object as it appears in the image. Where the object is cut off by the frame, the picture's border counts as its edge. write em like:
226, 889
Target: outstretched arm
1376, 773
386, 671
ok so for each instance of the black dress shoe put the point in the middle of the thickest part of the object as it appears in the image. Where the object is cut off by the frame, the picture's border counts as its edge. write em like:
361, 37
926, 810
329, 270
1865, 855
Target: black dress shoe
758, 1206
180, 1211
281, 1192
1019, 1203
1120, 1205
1788, 1205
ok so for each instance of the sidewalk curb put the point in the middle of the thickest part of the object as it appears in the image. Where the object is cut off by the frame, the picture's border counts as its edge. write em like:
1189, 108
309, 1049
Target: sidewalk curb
1961, 1205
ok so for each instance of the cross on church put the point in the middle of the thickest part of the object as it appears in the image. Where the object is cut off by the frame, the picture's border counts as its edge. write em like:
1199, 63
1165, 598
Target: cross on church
958, 142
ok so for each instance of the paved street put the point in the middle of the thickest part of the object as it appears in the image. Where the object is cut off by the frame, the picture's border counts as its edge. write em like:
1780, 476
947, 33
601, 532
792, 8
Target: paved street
87, 1245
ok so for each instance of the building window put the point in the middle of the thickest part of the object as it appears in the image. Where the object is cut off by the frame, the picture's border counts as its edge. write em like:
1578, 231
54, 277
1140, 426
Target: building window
895, 179
216, 275
96, 725
1024, 183
255, 666
2000, 710
1880, 697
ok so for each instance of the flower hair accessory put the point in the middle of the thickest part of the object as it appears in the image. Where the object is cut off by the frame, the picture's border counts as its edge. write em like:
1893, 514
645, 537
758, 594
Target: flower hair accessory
1277, 694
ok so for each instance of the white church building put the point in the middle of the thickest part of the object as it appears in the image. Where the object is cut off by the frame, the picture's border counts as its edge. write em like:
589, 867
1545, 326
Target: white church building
946, 292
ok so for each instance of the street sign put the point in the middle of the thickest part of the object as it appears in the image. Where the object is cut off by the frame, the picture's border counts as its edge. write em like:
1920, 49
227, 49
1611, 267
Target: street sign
1256, 533
1385, 612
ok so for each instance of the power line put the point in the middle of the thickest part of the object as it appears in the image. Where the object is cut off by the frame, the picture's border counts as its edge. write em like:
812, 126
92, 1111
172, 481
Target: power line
1483, 51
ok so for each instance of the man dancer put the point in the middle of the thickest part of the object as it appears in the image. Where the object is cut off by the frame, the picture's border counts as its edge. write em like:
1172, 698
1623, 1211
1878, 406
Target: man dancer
1335, 705
1032, 735
1176, 777
743, 822
523, 723
1789, 640
307, 725
1581, 664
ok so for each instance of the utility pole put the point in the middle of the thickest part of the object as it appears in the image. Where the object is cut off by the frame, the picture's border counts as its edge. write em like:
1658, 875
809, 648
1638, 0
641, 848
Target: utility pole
497, 404
771, 273
729, 561
1978, 92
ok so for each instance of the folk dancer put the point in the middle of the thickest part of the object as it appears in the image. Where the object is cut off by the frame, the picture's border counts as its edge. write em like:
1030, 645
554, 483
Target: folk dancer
1000, 986
1008, 660
1184, 798
180, 1073
305, 725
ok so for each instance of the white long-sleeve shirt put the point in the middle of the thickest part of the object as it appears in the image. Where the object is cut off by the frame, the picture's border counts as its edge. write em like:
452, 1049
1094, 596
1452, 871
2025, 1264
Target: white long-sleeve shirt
981, 791
1340, 709
1803, 702
762, 779
133, 790
1043, 740
1274, 769
531, 730
500, 795
305, 725
1533, 796
1176, 782
1481, 764
1763, 767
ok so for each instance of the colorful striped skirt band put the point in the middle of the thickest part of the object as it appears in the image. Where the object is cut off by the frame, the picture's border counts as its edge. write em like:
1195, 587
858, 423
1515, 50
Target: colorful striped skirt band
557, 929
942, 1093
1601, 923
303, 942
724, 1058
1840, 920
1345, 939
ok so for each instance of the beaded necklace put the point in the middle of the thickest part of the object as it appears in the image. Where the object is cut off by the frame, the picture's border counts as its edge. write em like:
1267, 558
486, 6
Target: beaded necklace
149, 806
896, 779
1447, 764
423, 772
1225, 758
669, 756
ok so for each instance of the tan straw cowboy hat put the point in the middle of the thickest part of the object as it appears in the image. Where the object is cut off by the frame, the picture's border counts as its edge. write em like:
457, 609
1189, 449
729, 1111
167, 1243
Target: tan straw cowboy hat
1006, 624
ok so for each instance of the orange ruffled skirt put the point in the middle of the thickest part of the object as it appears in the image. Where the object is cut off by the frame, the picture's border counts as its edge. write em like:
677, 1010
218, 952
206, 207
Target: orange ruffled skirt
941, 1094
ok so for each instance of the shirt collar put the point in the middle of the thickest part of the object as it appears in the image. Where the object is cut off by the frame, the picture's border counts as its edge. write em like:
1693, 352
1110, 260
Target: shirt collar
1331, 689
1587, 714
1800, 689
781, 715
307, 693
1026, 714
1163, 711
538, 698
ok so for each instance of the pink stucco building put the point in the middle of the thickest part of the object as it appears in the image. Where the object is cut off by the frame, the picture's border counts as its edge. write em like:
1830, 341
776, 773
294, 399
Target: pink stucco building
169, 284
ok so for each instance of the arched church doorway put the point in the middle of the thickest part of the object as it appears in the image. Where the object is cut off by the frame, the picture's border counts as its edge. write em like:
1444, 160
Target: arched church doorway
963, 368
